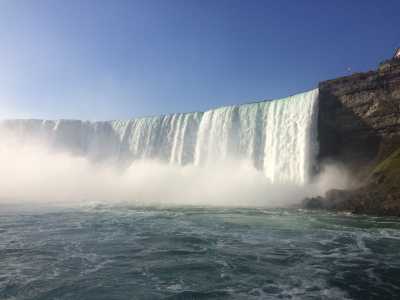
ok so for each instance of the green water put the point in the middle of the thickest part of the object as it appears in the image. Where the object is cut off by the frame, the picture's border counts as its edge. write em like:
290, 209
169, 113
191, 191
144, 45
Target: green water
196, 253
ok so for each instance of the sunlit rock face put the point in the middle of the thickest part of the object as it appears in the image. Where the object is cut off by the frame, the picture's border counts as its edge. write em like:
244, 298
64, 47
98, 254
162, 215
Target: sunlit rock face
277, 137
359, 116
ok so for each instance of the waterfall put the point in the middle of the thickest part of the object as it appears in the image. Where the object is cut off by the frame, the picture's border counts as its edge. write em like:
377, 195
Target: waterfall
277, 137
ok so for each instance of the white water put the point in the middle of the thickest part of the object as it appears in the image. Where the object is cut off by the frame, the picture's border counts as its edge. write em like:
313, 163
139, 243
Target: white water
277, 137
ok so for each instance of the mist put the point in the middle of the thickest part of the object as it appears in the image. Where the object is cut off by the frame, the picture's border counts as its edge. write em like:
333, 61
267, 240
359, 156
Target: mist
32, 172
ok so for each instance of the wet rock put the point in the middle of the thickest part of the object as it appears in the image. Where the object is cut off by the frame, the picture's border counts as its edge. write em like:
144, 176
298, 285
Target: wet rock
313, 203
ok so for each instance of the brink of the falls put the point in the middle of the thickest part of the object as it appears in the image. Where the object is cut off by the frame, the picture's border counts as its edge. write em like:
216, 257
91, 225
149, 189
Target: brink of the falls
278, 137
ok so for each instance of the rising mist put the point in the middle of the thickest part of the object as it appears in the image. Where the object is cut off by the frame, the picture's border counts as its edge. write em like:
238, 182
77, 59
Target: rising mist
33, 172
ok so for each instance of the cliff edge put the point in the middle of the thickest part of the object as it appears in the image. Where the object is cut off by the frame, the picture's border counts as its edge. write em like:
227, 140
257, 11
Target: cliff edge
359, 126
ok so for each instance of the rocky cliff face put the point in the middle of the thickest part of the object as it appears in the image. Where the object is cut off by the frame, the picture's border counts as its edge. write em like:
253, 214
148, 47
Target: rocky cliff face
359, 116
359, 126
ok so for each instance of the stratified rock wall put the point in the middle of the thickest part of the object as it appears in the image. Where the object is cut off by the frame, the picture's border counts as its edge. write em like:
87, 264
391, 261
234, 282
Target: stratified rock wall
359, 117
359, 126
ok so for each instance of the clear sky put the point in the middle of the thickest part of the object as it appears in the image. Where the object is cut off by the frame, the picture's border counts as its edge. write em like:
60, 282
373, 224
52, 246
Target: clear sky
115, 59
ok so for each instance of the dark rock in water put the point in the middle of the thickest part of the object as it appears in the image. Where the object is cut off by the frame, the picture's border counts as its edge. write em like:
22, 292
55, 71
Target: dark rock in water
313, 203
332, 200
335, 197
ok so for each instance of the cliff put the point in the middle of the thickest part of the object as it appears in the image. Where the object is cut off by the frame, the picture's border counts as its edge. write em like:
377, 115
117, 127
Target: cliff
359, 126
359, 117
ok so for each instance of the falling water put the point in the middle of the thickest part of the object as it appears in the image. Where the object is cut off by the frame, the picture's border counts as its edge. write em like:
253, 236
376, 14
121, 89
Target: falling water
278, 137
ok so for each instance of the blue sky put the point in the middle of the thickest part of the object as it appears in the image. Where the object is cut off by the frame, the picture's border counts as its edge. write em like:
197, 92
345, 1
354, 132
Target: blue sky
115, 59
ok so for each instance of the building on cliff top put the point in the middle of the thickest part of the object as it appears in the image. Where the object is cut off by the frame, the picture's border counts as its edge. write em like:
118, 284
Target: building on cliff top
397, 54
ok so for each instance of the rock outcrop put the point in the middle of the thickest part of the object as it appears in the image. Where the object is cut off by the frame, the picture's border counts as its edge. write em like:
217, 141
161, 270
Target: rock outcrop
359, 126
379, 195
359, 118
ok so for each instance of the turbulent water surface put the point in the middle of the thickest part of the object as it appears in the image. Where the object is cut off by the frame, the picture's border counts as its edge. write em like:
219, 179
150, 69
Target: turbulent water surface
196, 253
